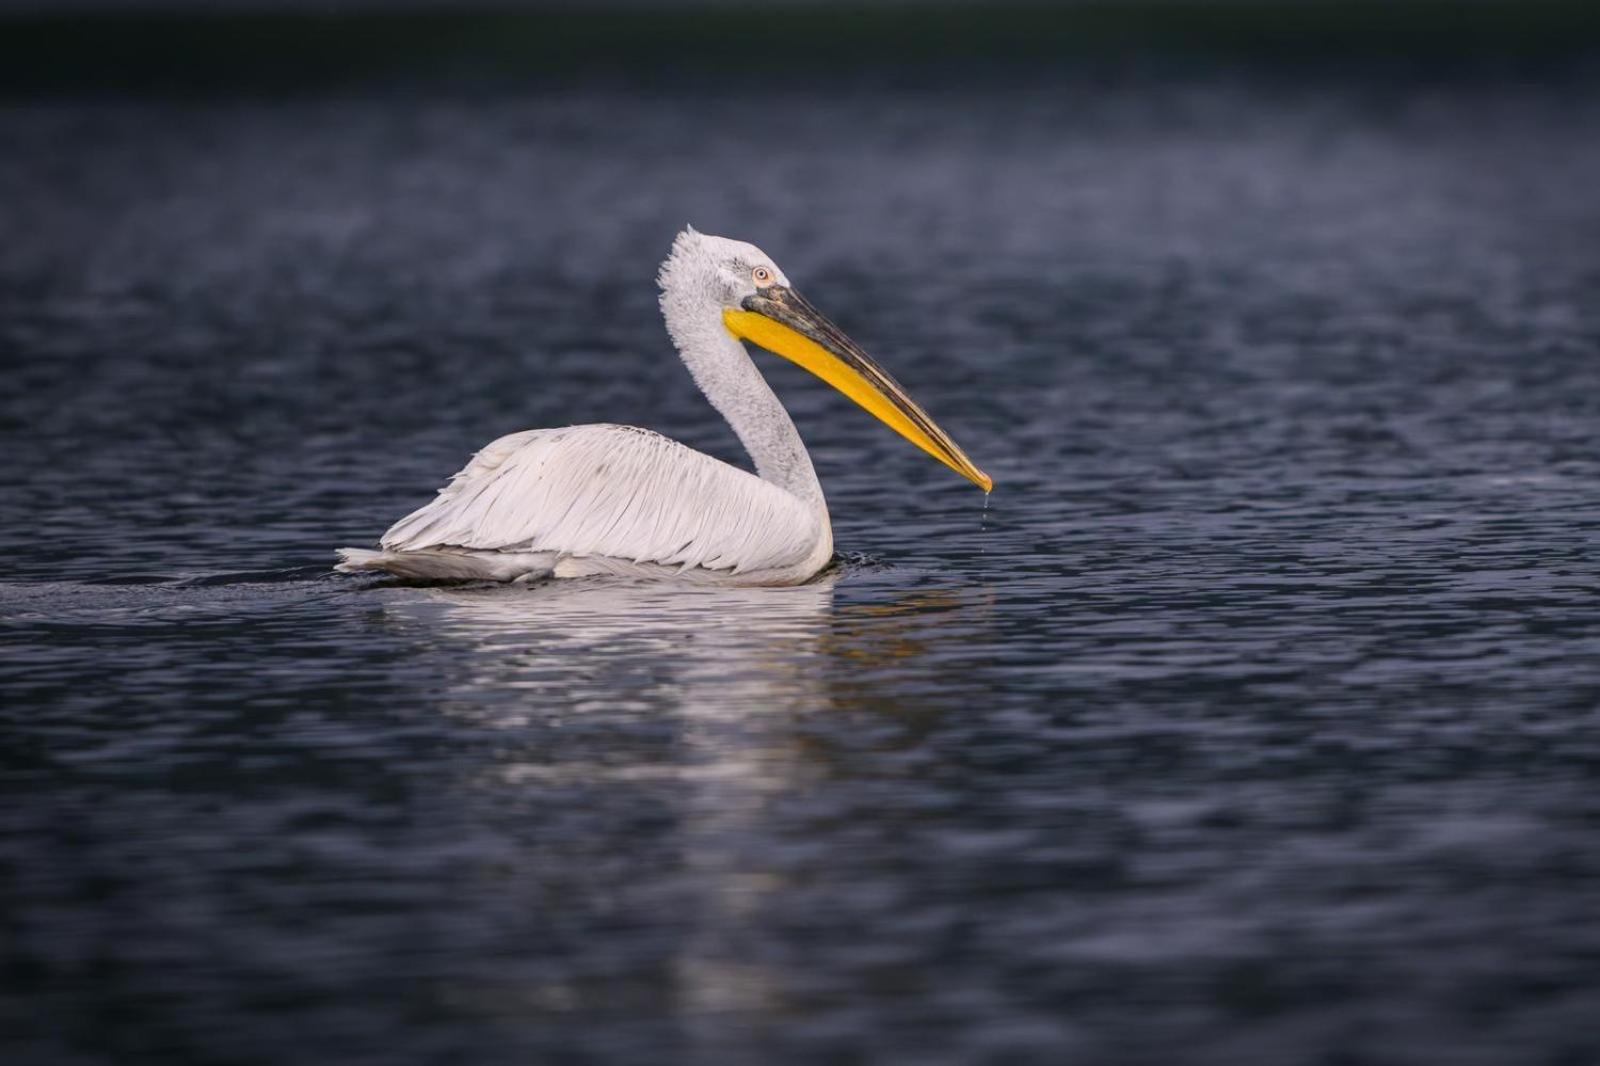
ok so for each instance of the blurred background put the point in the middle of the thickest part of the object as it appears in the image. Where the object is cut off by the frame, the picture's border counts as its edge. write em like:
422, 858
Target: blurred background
288, 44
1253, 719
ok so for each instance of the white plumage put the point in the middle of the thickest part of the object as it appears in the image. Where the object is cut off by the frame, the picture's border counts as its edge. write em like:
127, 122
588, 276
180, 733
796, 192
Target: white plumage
603, 499
606, 499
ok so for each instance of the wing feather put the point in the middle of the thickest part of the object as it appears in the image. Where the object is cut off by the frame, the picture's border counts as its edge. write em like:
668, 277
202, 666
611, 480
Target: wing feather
612, 491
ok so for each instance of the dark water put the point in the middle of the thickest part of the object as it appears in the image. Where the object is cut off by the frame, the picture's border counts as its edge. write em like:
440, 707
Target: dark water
1259, 721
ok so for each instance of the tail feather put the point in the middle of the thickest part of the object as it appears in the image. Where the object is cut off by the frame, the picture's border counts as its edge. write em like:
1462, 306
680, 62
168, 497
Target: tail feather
443, 565
355, 560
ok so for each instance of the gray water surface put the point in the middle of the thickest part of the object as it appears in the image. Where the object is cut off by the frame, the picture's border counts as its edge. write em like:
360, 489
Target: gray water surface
1258, 720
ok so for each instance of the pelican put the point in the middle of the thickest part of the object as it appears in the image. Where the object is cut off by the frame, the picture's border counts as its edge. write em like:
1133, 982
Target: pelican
606, 499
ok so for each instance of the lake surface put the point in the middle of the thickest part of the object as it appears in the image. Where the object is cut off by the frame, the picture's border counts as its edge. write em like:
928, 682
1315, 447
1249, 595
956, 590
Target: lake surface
1256, 720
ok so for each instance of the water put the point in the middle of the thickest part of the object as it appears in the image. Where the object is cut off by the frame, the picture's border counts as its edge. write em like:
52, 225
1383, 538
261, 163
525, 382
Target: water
1255, 722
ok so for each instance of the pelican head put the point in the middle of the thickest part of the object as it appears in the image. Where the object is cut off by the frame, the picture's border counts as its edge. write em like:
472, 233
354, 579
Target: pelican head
758, 305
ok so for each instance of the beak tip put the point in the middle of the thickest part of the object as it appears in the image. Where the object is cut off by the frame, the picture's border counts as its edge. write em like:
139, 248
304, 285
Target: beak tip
984, 482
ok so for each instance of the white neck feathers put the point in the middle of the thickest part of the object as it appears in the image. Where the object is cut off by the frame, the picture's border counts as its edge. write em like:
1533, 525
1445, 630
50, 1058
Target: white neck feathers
692, 299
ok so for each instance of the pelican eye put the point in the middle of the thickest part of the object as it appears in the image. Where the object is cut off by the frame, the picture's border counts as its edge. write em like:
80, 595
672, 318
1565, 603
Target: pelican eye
762, 275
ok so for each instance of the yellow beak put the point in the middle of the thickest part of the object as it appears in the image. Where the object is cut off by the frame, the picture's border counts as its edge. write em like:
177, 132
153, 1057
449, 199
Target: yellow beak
784, 323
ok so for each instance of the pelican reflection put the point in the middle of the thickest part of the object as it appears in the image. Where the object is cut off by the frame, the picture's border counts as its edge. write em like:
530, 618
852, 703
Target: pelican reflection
729, 714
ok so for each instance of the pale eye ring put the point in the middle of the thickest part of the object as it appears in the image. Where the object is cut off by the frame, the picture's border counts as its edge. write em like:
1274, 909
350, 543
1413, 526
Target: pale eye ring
762, 275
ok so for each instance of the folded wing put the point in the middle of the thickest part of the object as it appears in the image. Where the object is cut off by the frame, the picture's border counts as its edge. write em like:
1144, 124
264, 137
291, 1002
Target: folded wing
612, 491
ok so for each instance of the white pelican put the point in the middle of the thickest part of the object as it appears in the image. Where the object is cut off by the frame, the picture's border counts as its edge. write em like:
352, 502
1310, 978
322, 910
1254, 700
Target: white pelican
607, 499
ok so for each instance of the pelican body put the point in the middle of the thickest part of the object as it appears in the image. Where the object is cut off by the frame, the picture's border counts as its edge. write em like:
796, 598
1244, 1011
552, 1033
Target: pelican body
606, 499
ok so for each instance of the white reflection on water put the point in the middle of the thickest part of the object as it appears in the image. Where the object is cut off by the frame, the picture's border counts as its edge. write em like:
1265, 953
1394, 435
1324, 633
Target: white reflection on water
580, 646
709, 703
698, 654
725, 668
